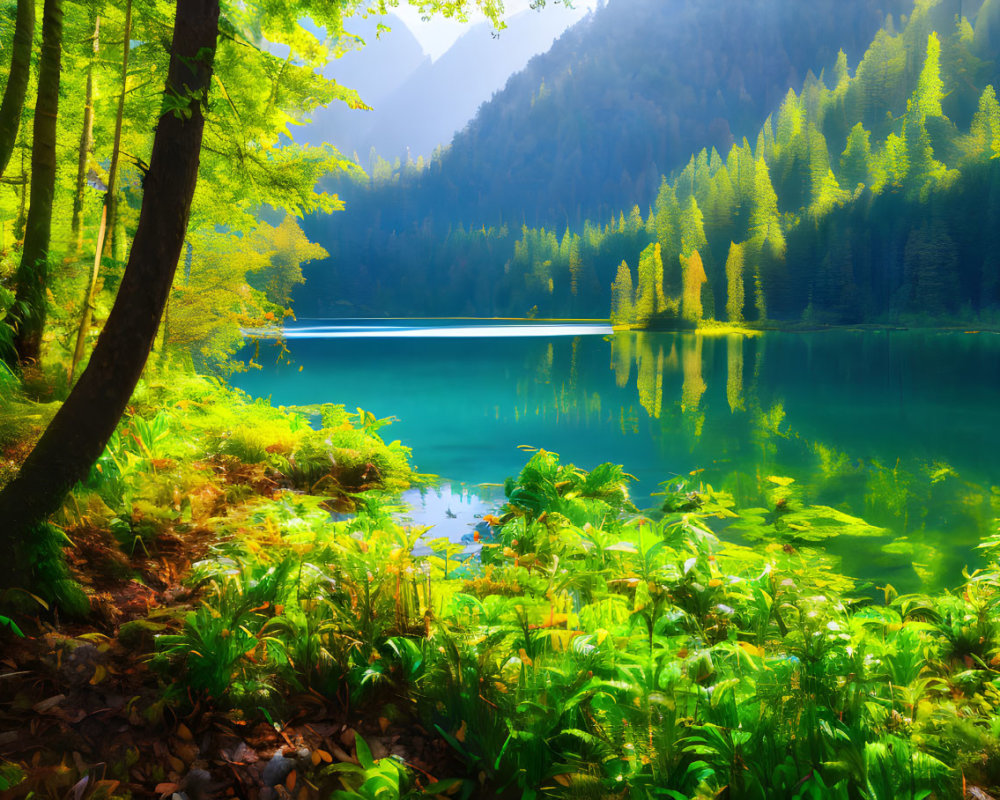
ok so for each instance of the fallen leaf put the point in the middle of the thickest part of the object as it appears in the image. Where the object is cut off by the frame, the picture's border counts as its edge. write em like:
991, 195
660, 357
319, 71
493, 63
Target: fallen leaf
48, 704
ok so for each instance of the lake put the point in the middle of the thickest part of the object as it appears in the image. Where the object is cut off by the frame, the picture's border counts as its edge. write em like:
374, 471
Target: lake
897, 427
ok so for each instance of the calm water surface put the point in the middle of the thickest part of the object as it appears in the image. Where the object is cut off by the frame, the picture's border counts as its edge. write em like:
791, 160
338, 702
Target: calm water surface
899, 427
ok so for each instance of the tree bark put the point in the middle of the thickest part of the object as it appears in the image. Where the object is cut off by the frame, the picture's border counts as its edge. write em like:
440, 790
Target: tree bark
111, 198
81, 428
27, 315
17, 82
87, 314
86, 146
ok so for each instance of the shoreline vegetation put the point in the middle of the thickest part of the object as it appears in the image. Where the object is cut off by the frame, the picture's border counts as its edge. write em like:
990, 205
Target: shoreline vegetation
251, 615
204, 596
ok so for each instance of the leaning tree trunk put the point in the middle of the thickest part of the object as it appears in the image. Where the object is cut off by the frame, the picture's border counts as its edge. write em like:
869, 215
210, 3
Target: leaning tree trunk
27, 315
81, 428
111, 197
86, 146
17, 82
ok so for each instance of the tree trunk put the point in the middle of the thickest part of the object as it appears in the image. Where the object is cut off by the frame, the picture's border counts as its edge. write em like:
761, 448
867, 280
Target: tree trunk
111, 199
17, 82
86, 146
22, 207
82, 427
27, 315
87, 313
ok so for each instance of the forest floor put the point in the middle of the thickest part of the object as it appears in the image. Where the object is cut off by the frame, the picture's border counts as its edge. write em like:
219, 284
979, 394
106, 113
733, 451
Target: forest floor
84, 712
81, 709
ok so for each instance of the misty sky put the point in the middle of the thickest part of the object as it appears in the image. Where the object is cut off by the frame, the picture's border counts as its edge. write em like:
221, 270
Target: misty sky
437, 34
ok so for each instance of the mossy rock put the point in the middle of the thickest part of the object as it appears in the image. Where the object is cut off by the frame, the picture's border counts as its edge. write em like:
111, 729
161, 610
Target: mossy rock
140, 635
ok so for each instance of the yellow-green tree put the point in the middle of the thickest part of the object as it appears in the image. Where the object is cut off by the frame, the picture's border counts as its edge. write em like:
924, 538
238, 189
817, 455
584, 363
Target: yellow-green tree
930, 88
287, 249
646, 295
855, 161
984, 133
694, 277
622, 297
734, 283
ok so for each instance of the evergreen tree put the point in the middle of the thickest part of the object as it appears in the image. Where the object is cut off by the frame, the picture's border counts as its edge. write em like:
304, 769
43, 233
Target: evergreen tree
930, 88
765, 221
855, 162
692, 228
646, 294
693, 272
734, 283
667, 212
983, 140
634, 224
574, 265
824, 190
622, 297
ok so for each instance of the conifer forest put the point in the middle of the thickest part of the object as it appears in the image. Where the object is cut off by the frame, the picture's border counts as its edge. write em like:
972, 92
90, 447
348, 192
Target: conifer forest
638, 440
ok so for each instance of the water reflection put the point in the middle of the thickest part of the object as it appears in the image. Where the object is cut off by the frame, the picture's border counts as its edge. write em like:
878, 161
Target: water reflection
897, 428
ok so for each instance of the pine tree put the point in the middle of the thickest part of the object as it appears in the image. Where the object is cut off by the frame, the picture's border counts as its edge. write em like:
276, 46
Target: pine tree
893, 164
825, 192
734, 283
692, 228
667, 224
841, 74
855, 162
791, 119
645, 296
661, 300
765, 221
622, 297
930, 88
984, 133
634, 223
721, 203
693, 272
574, 265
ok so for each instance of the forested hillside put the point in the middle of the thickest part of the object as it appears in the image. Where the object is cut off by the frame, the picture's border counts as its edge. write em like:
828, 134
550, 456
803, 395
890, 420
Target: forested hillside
869, 194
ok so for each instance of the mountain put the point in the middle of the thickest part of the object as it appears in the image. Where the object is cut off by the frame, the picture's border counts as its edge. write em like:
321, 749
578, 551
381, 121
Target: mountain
587, 129
419, 104
870, 195
629, 93
375, 71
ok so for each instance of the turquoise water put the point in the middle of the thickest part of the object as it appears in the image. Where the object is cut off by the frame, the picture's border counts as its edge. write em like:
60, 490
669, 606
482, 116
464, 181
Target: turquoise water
898, 427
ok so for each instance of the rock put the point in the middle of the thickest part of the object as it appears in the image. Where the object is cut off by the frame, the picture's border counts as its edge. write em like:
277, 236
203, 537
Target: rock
277, 769
139, 635
197, 785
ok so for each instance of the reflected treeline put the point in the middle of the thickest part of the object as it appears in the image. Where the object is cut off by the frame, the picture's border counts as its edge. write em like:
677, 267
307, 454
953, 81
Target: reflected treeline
868, 423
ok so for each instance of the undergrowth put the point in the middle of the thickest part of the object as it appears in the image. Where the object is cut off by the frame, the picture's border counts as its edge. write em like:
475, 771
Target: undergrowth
591, 651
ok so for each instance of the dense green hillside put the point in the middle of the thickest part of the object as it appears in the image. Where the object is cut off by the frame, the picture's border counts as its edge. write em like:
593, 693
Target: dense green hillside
863, 197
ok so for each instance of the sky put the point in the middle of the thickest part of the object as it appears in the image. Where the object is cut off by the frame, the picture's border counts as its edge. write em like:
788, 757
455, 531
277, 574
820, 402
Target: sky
437, 34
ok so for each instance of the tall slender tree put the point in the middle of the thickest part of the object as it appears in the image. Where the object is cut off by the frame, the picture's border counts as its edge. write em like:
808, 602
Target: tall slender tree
85, 422
86, 145
27, 315
17, 81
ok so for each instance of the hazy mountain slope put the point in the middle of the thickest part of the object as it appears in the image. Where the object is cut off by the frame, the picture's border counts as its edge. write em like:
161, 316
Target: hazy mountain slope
872, 196
419, 104
630, 92
375, 71
442, 96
